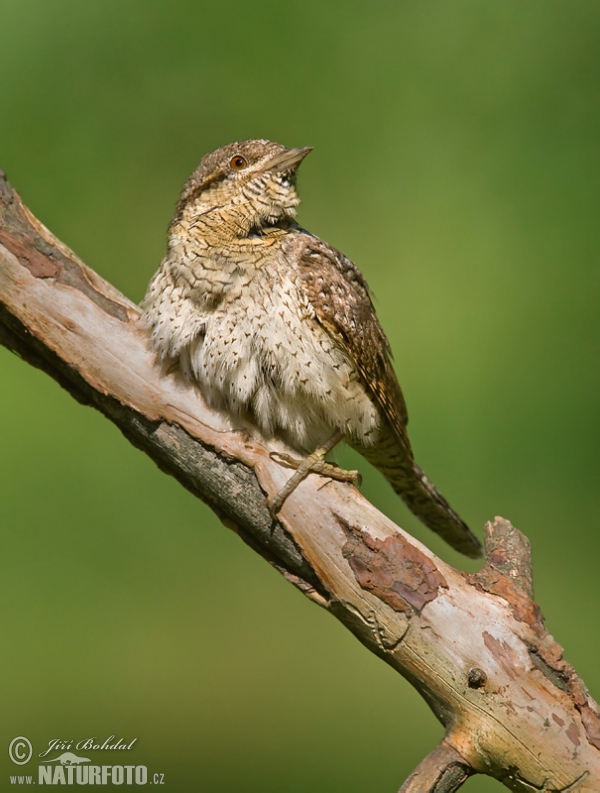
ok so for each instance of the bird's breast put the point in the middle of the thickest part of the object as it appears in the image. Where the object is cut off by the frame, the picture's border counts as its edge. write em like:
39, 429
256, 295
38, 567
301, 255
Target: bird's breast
262, 352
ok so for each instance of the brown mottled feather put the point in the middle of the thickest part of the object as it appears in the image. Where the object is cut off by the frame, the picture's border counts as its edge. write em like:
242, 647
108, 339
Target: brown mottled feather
342, 302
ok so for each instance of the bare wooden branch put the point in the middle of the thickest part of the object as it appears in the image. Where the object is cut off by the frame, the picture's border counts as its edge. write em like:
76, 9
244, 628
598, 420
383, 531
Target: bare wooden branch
475, 646
442, 771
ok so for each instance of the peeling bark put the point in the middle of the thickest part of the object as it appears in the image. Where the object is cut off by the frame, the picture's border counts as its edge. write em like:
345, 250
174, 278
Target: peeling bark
394, 570
475, 646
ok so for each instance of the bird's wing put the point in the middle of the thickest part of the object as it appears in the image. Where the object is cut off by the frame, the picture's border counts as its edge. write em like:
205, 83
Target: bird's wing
341, 300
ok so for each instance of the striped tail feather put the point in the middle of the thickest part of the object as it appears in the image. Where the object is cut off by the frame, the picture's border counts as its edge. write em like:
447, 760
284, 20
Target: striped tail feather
419, 494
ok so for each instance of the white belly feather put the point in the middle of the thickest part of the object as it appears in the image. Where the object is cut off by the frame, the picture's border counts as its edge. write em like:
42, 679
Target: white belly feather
256, 357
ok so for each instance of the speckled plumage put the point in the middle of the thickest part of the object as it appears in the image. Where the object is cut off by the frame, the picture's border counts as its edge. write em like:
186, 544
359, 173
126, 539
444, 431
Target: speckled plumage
273, 323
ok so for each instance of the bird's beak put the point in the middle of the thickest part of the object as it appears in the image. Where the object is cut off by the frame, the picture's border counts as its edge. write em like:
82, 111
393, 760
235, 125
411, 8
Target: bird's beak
287, 159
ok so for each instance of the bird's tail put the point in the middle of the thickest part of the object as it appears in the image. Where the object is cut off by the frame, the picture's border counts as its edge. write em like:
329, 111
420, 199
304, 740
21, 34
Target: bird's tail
396, 463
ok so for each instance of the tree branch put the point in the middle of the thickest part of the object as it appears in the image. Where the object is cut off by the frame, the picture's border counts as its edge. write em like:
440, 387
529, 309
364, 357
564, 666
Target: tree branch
442, 771
475, 646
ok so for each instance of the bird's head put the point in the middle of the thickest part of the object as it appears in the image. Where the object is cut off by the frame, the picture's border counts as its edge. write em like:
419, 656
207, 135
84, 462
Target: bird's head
253, 182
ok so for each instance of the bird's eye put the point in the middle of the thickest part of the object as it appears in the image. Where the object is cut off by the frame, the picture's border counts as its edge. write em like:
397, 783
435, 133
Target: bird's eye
238, 163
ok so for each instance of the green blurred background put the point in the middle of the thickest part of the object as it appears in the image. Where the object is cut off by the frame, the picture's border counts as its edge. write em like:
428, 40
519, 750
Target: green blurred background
456, 162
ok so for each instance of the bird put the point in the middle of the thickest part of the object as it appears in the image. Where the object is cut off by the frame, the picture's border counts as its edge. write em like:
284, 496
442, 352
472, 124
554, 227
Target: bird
276, 326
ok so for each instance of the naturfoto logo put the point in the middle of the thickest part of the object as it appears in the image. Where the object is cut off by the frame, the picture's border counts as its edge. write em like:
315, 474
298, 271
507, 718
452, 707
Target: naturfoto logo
73, 766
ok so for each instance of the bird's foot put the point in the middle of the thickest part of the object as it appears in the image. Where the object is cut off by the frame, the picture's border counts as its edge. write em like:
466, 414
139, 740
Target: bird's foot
315, 463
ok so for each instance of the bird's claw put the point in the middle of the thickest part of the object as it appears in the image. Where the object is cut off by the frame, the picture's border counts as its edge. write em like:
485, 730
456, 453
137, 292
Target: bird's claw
313, 464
